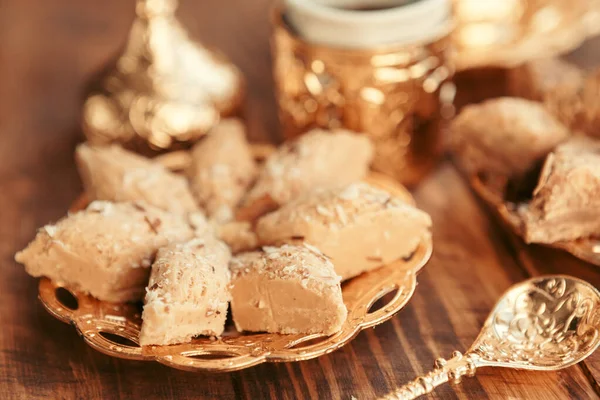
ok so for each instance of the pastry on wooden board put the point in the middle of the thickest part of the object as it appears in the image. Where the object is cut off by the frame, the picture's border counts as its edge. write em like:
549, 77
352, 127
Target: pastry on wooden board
317, 159
222, 168
358, 226
188, 293
288, 289
115, 174
105, 250
566, 201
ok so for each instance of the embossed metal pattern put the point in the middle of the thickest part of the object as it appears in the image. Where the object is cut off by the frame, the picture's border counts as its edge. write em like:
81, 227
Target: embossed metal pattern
542, 324
545, 323
99, 322
398, 95
587, 249
510, 32
155, 95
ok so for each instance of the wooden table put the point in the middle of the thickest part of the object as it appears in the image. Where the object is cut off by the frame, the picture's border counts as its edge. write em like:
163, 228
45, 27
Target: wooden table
49, 49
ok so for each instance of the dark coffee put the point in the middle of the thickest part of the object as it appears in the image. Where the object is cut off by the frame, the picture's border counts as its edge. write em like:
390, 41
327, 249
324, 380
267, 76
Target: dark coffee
368, 7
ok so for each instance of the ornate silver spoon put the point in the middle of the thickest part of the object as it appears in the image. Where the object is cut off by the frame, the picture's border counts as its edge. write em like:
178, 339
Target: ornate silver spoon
545, 323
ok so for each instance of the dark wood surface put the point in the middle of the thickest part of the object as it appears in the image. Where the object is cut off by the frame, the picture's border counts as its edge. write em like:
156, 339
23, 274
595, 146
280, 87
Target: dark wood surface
48, 51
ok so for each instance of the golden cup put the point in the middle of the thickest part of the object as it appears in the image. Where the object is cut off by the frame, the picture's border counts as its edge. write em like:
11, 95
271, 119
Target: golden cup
400, 95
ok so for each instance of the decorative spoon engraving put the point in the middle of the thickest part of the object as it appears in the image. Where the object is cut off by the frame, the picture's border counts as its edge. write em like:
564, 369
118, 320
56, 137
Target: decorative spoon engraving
545, 323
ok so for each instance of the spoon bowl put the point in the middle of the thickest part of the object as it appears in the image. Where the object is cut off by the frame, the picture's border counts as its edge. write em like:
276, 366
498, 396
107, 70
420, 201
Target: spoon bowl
545, 323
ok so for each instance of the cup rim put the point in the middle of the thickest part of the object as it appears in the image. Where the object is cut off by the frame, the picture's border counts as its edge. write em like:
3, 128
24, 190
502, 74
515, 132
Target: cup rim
341, 15
278, 21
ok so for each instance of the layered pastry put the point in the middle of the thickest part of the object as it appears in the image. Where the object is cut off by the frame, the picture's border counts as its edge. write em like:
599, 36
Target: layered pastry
575, 101
538, 79
188, 292
358, 226
564, 89
222, 169
317, 159
288, 289
105, 250
115, 174
566, 202
590, 99
504, 138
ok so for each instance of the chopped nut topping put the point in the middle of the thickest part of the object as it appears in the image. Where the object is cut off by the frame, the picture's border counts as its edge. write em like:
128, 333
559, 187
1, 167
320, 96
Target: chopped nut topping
139, 207
286, 262
260, 304
50, 230
101, 207
324, 211
153, 224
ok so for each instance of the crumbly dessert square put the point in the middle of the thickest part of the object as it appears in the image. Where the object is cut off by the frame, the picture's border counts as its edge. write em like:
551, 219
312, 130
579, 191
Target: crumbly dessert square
105, 250
288, 289
188, 292
358, 226
222, 169
566, 202
115, 174
317, 159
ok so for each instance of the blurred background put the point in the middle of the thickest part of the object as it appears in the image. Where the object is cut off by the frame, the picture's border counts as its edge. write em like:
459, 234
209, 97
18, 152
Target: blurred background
51, 49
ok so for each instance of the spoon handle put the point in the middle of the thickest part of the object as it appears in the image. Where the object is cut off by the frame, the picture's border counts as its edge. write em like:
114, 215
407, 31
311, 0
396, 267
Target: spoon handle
444, 371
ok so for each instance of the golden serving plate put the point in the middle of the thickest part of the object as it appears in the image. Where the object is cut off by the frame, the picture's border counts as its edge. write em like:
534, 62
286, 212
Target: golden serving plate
113, 329
506, 33
585, 249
